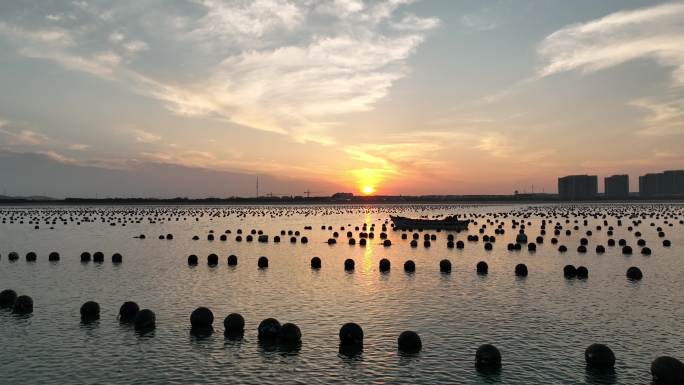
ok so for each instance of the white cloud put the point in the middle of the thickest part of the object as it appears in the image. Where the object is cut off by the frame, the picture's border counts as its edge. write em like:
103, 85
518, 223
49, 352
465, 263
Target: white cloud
656, 32
662, 117
142, 136
288, 67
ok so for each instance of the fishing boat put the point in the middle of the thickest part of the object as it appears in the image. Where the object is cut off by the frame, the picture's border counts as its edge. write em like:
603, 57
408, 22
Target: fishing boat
447, 223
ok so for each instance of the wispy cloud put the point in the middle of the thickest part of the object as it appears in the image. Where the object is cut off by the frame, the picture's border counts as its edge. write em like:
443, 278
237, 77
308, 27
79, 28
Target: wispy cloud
287, 67
662, 117
655, 32
142, 136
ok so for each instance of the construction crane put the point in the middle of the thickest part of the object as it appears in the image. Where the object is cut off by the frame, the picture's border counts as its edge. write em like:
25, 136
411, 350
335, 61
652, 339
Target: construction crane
308, 193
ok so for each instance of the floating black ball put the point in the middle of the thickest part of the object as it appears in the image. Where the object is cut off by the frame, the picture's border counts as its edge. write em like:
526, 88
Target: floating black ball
600, 249
460, 244
290, 334
262, 262
627, 250
23, 305
349, 264
202, 319
634, 273
488, 246
667, 243
482, 268
569, 271
532, 247
599, 356
269, 330
445, 266
582, 272
667, 370
315, 263
145, 320
13, 256
117, 258
7, 298
409, 266
351, 334
53, 256
212, 260
646, 251
487, 357
562, 248
192, 260
521, 270
98, 257
384, 265
232, 260
90, 311
234, 324
409, 342
128, 311
31, 256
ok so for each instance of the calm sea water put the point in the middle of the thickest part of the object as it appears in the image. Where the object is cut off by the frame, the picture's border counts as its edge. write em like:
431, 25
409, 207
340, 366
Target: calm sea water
542, 323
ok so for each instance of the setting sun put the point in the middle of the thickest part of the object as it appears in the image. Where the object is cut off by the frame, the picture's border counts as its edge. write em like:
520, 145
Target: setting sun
368, 190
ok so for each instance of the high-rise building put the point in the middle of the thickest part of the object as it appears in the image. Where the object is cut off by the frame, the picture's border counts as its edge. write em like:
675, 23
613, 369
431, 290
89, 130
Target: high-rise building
668, 183
578, 187
617, 186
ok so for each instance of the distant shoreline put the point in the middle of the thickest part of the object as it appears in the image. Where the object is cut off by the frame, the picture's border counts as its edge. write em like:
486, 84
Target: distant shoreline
432, 199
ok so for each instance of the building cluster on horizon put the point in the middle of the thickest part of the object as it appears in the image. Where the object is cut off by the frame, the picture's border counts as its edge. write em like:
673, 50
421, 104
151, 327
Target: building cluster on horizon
652, 185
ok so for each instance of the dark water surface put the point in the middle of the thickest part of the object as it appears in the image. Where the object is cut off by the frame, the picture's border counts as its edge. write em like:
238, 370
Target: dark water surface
541, 323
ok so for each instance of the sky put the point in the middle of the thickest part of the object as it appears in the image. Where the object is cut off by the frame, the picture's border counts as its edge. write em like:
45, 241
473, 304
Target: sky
198, 98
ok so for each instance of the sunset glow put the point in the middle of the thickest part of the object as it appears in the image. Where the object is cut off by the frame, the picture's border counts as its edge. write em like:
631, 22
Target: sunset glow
368, 190
332, 96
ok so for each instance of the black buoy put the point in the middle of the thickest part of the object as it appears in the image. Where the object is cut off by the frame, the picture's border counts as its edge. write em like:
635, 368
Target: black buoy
460, 244
646, 251
569, 271
128, 311
487, 357
53, 256
384, 265
482, 268
7, 298
117, 258
409, 342
85, 256
145, 320
409, 266
315, 263
634, 273
667, 243
31, 256
262, 262
351, 335
562, 248
290, 335
582, 272
234, 324
23, 305
13, 256
349, 265
445, 266
232, 260
600, 249
269, 330
521, 270
599, 356
667, 370
192, 260
627, 250
98, 257
202, 319
90, 311
212, 260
